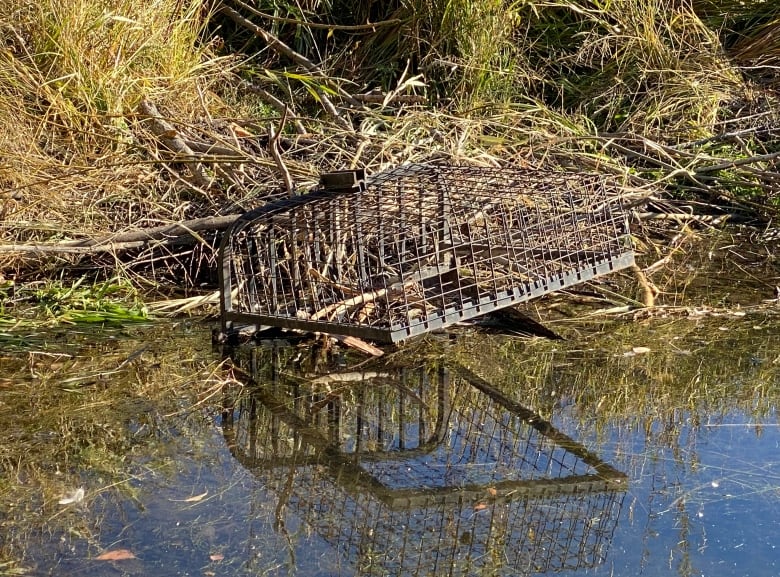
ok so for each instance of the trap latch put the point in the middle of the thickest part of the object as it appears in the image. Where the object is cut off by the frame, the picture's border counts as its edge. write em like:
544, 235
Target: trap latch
344, 180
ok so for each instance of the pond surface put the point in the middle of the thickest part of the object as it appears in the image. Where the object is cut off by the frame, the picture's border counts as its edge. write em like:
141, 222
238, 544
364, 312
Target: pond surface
602, 460
637, 446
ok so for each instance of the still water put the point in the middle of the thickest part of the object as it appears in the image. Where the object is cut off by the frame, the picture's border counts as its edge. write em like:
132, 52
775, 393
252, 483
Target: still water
633, 447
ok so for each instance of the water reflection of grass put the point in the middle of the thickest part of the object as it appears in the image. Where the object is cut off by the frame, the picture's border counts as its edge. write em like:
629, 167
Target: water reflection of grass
686, 420
85, 413
648, 412
690, 366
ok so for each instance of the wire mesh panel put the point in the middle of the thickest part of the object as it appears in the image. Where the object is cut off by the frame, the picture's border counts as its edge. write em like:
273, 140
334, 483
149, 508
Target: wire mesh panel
418, 248
426, 472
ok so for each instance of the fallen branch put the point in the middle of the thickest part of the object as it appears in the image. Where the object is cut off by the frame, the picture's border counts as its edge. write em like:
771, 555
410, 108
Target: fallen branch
320, 278
710, 219
42, 248
167, 234
362, 299
360, 345
172, 140
725, 164
276, 44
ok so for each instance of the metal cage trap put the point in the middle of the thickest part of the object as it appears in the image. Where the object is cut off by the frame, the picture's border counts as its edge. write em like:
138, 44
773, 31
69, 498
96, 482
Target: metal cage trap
413, 471
418, 248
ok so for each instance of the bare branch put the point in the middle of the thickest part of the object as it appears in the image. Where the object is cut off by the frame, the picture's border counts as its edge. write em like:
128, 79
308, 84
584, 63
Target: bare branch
273, 145
171, 138
276, 44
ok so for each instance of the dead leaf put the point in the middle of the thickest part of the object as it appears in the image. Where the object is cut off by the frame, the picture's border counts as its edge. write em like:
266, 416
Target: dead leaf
216, 556
480, 506
640, 350
196, 498
193, 499
492, 491
115, 555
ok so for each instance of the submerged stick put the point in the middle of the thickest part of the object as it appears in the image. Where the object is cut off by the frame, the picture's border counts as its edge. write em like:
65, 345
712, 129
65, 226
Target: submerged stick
648, 294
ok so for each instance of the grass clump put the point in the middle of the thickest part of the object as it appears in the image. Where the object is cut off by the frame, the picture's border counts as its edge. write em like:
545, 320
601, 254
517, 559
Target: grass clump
108, 302
113, 302
71, 77
659, 66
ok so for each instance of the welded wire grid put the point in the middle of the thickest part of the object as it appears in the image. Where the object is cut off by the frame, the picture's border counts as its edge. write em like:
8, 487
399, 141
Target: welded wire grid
484, 487
420, 247
514, 536
483, 444
387, 414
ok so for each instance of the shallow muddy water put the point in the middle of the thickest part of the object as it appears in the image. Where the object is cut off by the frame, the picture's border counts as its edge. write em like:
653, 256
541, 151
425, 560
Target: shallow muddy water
636, 446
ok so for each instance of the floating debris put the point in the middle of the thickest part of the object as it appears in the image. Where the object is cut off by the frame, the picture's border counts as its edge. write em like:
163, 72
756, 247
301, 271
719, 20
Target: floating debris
76, 496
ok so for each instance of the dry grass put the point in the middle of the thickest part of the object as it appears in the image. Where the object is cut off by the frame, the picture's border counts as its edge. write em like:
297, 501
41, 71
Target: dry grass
72, 76
646, 90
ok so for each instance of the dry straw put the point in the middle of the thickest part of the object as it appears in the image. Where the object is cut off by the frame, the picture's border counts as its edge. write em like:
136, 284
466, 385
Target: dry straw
125, 116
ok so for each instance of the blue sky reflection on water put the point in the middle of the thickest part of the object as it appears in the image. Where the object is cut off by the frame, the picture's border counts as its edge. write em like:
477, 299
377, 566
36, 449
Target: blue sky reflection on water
703, 503
712, 509
703, 496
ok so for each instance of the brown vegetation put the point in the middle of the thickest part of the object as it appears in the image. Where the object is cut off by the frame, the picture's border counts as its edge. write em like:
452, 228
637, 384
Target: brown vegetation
122, 117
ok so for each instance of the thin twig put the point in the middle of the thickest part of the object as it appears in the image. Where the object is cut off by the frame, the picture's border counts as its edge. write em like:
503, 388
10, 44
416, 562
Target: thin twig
712, 219
273, 145
725, 164
362, 299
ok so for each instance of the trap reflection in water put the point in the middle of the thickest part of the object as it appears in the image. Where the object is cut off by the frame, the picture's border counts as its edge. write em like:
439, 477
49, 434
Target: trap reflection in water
425, 470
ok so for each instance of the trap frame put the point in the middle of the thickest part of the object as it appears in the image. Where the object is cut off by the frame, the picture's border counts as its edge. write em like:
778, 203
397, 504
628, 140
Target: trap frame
418, 248
424, 471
